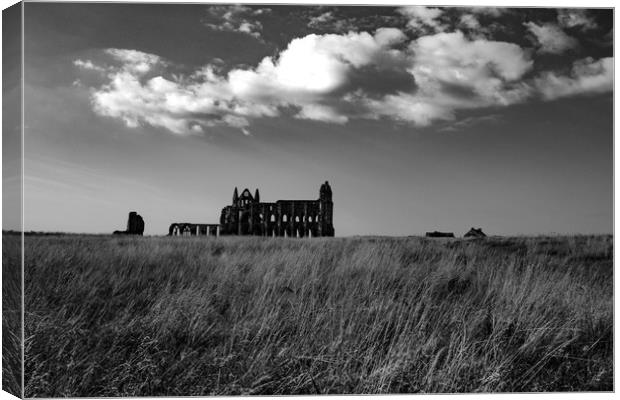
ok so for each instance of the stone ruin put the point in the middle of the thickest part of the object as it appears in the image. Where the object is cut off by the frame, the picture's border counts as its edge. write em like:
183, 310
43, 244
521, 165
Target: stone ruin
135, 225
248, 215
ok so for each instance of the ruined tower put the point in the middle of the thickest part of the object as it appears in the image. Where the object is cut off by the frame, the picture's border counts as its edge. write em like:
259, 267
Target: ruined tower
135, 225
327, 210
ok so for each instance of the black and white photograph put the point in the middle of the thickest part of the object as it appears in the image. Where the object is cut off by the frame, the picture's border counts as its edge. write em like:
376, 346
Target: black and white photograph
222, 199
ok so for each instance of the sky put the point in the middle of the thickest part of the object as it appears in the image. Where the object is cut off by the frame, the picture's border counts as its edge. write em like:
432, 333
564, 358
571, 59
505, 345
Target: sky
11, 118
421, 118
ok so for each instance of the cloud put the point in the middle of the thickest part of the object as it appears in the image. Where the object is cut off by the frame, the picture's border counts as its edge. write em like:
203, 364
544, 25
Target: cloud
334, 78
454, 73
587, 76
320, 112
469, 21
482, 66
325, 19
137, 96
471, 121
235, 18
575, 17
422, 17
551, 38
134, 61
304, 76
315, 66
87, 64
410, 108
488, 11
328, 21
314, 72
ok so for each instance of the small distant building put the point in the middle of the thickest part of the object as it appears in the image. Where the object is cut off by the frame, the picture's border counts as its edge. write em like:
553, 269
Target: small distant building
135, 225
476, 233
436, 234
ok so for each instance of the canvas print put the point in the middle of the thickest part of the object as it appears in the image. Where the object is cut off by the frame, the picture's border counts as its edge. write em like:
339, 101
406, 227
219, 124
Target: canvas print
259, 199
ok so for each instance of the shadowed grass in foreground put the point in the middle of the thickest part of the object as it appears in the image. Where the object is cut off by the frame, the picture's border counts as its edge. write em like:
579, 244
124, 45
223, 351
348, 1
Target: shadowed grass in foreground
109, 316
11, 314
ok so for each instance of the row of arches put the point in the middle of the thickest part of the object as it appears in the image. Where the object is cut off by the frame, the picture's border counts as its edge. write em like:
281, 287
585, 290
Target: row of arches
186, 229
251, 224
295, 232
285, 218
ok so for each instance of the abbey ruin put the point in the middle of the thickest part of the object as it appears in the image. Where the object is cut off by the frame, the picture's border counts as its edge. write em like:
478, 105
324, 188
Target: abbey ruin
247, 215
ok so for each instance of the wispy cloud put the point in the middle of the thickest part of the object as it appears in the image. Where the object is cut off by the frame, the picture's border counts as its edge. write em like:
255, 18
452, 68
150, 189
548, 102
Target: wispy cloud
88, 65
423, 18
471, 121
574, 17
487, 11
235, 18
334, 19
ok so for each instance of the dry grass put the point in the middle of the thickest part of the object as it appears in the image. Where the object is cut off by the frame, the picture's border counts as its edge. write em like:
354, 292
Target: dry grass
11, 315
109, 316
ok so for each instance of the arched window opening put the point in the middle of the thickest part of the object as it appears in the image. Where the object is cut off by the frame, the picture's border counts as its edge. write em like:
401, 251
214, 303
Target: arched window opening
284, 218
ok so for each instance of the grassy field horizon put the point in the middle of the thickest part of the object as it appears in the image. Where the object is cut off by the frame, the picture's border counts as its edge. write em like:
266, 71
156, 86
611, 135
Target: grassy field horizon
147, 316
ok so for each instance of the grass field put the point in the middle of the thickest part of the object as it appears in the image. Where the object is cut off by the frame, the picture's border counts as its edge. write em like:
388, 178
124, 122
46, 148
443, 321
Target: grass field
11, 314
109, 316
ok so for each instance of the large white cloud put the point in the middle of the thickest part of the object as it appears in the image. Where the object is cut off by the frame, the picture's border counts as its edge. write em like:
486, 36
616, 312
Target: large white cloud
318, 64
304, 75
454, 73
136, 95
451, 72
451, 57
